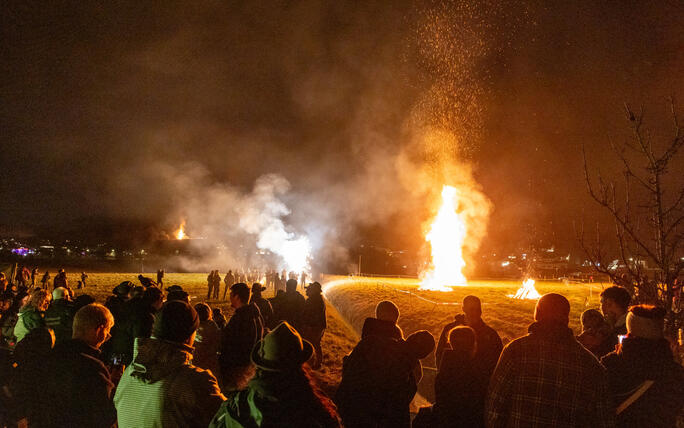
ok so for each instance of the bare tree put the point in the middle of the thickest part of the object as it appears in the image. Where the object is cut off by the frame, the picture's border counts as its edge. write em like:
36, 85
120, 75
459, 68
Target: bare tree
648, 212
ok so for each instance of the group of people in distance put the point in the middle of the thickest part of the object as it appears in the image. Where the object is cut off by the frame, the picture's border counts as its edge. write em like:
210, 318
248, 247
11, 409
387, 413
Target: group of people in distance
148, 358
26, 278
270, 279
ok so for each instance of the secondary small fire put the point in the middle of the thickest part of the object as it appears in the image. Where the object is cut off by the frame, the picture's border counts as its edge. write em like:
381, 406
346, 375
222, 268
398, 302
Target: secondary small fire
526, 291
180, 233
446, 236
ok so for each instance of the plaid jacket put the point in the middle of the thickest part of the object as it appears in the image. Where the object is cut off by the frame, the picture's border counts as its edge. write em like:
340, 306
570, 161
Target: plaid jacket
547, 379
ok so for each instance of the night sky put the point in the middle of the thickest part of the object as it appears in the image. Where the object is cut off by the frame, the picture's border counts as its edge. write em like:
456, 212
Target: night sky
115, 115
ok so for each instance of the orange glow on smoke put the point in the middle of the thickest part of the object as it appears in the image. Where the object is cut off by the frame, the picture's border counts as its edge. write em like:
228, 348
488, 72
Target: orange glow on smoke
180, 233
446, 236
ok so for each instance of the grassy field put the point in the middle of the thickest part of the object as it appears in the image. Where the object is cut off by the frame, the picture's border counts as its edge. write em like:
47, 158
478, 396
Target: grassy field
356, 299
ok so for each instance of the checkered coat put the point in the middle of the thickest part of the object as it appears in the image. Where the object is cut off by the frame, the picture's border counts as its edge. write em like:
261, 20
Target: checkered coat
548, 379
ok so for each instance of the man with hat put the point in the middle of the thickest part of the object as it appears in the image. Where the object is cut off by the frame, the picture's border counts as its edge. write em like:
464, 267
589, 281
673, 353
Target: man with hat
314, 321
265, 308
238, 338
162, 387
646, 383
280, 394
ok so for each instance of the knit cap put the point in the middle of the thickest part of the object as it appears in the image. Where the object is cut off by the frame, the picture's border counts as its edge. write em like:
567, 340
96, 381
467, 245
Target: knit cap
175, 322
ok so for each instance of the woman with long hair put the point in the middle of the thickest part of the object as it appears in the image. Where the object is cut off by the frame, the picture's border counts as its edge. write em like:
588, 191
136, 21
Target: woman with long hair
32, 314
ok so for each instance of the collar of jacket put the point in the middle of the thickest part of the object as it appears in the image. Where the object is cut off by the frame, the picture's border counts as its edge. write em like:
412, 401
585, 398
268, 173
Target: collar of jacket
82, 347
551, 330
647, 351
155, 359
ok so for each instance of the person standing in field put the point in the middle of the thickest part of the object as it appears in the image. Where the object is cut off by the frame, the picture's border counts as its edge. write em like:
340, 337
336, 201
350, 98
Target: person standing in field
45, 281
229, 280
210, 284
160, 278
314, 321
217, 284
34, 276
61, 280
84, 278
547, 378
489, 344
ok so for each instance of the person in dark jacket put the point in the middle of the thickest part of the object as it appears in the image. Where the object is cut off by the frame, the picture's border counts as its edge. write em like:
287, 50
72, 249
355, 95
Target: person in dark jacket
646, 383
384, 323
229, 280
218, 317
314, 321
238, 338
60, 280
265, 308
31, 371
162, 388
379, 380
136, 322
461, 383
547, 378
60, 314
489, 344
207, 340
282, 393
597, 334
160, 278
614, 304
146, 282
80, 386
45, 280
288, 306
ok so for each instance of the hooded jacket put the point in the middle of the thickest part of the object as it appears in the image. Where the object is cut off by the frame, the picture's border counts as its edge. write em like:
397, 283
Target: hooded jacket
29, 318
163, 389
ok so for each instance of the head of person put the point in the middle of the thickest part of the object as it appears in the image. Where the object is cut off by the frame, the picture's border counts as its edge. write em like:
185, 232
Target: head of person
387, 311
153, 297
646, 322
60, 293
591, 319
177, 323
313, 289
137, 292
614, 302
82, 300
282, 350
472, 308
203, 312
176, 293
420, 344
291, 285
552, 308
462, 340
39, 299
239, 295
92, 324
257, 289
123, 290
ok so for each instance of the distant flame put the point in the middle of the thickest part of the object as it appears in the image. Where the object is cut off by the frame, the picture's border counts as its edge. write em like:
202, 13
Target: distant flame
180, 233
527, 291
446, 237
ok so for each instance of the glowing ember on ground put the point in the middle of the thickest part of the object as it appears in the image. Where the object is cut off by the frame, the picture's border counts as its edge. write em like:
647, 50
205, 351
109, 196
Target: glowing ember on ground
527, 291
180, 233
446, 237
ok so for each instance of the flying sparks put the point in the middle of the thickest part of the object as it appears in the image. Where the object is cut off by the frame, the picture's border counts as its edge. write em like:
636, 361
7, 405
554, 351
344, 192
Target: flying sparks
446, 236
526, 291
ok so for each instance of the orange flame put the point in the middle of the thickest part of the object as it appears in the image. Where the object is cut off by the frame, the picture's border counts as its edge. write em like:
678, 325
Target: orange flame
526, 291
180, 233
447, 235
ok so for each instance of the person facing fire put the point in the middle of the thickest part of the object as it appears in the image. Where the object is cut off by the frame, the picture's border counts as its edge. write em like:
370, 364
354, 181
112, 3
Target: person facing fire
61, 280
489, 344
229, 280
314, 321
217, 284
84, 278
160, 278
614, 303
45, 281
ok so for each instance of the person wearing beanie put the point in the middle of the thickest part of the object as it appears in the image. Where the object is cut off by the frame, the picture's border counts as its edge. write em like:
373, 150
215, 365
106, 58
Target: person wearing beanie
646, 384
281, 394
162, 387
547, 378
60, 314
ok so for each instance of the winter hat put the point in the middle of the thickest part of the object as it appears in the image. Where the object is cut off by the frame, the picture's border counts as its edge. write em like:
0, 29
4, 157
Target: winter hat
645, 321
282, 349
123, 289
420, 344
59, 293
175, 322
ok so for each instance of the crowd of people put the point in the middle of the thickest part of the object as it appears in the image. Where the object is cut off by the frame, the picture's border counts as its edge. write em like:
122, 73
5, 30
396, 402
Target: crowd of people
148, 358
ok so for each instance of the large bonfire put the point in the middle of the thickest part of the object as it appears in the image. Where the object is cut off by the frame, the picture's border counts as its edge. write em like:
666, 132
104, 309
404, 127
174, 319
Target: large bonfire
446, 236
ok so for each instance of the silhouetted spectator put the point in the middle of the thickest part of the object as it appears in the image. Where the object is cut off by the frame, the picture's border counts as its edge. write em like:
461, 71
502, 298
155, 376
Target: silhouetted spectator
218, 317
238, 338
314, 321
34, 276
379, 380
32, 314
547, 378
45, 281
60, 314
385, 322
117, 304
489, 344
60, 280
84, 279
289, 305
80, 386
207, 341
646, 383
162, 388
31, 356
211, 283
229, 280
265, 308
614, 303
160, 278
137, 321
282, 393
82, 300
146, 282
176, 292
217, 285
596, 333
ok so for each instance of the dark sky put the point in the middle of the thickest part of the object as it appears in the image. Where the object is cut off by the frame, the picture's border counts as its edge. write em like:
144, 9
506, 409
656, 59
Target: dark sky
110, 111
